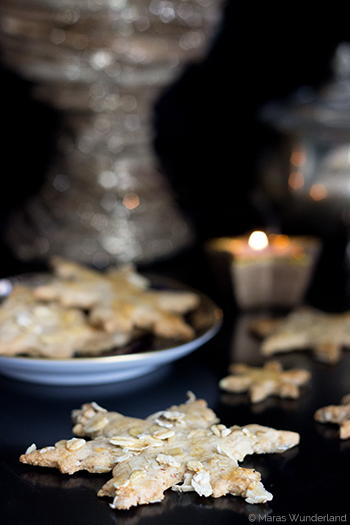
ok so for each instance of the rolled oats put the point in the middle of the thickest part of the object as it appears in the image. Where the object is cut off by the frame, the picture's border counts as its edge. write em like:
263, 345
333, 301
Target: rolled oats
75, 443
167, 459
195, 457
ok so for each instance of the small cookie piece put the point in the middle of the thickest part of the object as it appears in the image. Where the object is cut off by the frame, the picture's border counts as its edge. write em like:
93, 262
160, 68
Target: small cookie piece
262, 382
120, 299
184, 448
306, 329
30, 327
339, 414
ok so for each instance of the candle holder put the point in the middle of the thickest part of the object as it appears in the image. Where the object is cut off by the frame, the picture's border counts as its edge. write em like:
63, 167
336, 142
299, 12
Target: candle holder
275, 275
103, 64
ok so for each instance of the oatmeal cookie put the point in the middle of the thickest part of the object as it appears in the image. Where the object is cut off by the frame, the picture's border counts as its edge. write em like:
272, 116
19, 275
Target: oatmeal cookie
262, 382
30, 327
184, 448
305, 329
338, 414
120, 299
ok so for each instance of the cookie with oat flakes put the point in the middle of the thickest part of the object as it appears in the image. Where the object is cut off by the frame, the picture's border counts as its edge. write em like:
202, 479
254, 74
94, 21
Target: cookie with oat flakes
120, 299
94, 426
31, 327
183, 448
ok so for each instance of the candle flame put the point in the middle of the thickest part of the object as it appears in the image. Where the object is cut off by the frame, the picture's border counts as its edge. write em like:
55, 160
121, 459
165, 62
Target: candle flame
258, 240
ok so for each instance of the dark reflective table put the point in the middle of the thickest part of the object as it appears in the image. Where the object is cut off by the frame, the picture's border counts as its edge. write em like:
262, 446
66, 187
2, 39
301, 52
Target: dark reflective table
309, 482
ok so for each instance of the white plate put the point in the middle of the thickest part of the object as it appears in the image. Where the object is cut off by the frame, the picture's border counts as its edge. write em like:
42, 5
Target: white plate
113, 368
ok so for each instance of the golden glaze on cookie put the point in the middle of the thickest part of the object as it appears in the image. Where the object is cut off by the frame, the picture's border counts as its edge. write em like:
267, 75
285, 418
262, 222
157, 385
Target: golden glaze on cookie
184, 448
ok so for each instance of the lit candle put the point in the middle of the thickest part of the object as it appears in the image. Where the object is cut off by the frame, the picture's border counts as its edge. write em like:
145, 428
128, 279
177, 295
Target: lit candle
258, 241
259, 246
268, 270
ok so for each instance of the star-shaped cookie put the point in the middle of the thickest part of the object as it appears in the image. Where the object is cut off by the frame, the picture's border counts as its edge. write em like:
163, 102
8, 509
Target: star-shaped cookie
120, 299
305, 329
339, 414
183, 448
262, 382
30, 327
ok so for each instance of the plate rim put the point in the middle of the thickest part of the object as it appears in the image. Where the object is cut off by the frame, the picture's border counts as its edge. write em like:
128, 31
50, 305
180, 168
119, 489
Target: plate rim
137, 357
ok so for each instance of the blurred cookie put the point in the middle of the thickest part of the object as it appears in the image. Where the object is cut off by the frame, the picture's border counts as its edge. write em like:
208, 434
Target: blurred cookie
338, 414
262, 382
33, 328
120, 299
305, 329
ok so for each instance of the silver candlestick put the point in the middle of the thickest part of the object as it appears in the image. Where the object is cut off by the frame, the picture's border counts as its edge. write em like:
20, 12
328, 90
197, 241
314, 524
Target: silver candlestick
103, 64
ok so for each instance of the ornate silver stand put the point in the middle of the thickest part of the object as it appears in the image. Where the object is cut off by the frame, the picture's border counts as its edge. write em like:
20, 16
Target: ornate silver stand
103, 64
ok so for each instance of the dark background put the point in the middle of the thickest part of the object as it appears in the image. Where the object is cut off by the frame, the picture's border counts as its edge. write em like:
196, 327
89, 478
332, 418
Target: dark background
210, 134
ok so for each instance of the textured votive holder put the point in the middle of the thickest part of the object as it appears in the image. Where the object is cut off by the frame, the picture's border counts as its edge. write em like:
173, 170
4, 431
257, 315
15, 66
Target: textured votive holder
277, 274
